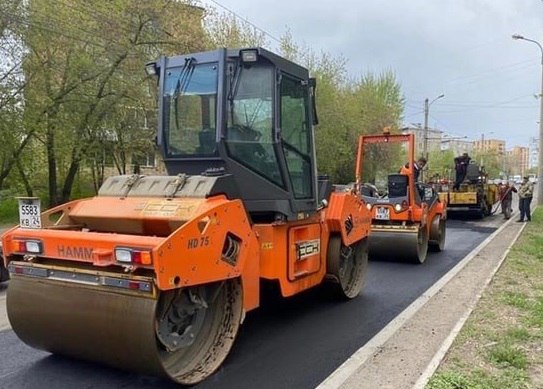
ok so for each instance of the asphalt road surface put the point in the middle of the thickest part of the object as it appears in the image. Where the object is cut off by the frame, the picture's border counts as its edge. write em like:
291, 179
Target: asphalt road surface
286, 343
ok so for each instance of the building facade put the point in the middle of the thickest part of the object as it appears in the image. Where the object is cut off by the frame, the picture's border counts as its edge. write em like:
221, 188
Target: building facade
518, 159
435, 137
489, 145
457, 146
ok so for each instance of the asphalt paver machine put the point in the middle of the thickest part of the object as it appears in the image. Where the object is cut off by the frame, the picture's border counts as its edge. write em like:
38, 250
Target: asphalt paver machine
155, 273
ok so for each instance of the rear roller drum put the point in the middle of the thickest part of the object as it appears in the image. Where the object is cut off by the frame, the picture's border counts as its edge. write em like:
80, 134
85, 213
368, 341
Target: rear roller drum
437, 234
348, 266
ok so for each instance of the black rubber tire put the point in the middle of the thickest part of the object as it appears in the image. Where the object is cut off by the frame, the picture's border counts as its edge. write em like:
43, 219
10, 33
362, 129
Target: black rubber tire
422, 246
347, 266
213, 342
437, 238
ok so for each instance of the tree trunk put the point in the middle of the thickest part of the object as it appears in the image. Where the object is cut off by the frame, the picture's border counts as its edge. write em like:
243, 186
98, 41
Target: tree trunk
70, 177
24, 178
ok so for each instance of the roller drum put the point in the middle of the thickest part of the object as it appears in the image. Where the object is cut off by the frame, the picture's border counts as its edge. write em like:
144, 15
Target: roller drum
120, 330
399, 245
85, 323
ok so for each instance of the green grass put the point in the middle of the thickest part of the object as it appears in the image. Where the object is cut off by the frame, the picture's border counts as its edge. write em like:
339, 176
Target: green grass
518, 300
518, 334
506, 355
479, 379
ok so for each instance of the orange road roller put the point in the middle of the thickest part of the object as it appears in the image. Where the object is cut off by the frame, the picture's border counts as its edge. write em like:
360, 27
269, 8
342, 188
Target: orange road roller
408, 217
156, 273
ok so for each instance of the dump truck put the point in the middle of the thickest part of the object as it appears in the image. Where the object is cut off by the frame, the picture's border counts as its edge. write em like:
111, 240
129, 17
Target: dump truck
475, 197
156, 273
408, 217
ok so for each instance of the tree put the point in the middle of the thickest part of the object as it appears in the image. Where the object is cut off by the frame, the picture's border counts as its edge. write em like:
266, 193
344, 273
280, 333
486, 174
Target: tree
348, 107
228, 30
12, 84
84, 80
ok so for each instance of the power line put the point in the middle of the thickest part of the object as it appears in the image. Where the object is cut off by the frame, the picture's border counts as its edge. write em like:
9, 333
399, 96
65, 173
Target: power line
246, 21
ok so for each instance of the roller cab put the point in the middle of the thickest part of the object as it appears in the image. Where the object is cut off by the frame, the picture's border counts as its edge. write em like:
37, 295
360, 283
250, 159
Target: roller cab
155, 273
408, 217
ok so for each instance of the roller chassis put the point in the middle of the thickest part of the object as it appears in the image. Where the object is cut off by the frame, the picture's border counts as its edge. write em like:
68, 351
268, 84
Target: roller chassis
176, 261
411, 214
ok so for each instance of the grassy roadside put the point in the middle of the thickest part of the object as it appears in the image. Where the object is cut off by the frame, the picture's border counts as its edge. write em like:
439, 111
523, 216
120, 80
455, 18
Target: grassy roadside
501, 344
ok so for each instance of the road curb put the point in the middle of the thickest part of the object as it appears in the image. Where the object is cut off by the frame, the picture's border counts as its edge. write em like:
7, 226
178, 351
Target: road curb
342, 374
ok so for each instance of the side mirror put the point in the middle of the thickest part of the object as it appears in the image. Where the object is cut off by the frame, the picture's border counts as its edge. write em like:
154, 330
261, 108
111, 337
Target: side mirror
312, 94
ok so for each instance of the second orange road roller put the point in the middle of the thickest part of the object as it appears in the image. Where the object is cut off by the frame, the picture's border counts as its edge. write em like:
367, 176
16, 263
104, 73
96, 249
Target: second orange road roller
156, 273
407, 216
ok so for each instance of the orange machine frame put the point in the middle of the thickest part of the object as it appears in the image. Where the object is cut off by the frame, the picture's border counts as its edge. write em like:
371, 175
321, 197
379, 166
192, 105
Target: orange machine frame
183, 239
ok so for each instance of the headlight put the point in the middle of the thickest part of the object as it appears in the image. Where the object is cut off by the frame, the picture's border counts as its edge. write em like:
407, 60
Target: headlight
368, 206
397, 207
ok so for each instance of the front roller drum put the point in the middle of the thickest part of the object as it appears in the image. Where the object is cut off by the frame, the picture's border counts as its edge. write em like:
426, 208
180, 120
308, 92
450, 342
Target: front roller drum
399, 246
347, 266
182, 334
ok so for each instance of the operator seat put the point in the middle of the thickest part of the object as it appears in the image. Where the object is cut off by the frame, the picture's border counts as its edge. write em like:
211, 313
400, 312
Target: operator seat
397, 185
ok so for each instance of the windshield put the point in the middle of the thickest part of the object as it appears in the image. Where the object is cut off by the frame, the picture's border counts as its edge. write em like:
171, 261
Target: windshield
249, 133
190, 105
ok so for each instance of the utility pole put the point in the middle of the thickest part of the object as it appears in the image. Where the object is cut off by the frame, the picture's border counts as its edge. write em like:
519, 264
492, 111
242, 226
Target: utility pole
425, 147
540, 161
482, 149
425, 143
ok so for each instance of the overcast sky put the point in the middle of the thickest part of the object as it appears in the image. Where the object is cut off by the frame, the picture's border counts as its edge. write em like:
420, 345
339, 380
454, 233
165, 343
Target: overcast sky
461, 48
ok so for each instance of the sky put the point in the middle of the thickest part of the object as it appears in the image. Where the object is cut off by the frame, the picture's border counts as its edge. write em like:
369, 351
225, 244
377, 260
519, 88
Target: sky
460, 48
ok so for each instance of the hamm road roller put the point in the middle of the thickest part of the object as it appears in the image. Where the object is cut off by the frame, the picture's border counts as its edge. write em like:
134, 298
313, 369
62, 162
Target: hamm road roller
407, 216
155, 273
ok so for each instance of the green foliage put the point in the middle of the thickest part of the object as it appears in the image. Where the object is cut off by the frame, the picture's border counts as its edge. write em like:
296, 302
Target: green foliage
88, 96
491, 161
9, 210
227, 30
349, 107
441, 164
88, 104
